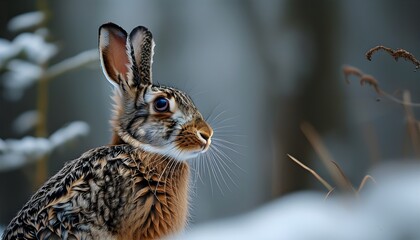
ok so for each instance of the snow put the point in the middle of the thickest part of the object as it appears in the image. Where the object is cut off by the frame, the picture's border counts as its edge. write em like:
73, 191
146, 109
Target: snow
26, 21
386, 211
71, 63
7, 51
17, 152
35, 47
25, 121
69, 133
20, 75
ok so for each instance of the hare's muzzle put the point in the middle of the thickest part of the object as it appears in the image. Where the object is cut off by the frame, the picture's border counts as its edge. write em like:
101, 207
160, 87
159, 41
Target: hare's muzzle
204, 134
195, 137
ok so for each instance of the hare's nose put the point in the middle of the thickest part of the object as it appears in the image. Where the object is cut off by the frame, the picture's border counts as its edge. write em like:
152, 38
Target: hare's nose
204, 133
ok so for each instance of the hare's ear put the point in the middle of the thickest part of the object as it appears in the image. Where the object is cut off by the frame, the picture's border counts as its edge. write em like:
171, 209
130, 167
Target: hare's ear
140, 47
113, 53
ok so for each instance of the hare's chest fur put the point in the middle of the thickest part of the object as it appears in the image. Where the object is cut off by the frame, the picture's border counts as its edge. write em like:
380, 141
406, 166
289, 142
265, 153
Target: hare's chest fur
157, 202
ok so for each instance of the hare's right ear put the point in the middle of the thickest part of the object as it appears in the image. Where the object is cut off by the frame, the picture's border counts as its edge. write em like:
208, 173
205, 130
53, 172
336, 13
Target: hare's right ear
116, 64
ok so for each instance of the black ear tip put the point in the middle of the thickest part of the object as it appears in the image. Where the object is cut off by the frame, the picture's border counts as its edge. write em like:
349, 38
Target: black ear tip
142, 30
110, 26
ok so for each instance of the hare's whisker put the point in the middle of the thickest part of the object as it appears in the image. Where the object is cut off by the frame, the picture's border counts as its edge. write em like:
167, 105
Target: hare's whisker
215, 176
223, 127
221, 174
226, 141
210, 175
229, 134
217, 154
221, 152
217, 116
224, 120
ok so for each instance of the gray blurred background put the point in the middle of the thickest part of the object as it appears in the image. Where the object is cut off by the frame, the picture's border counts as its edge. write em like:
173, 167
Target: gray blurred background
264, 66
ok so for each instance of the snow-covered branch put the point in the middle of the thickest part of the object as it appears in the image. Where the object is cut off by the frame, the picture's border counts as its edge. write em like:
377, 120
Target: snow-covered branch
15, 153
82, 59
24, 58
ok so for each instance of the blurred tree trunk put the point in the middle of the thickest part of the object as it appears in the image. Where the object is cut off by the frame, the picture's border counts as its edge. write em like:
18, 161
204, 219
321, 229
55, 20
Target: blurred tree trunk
317, 100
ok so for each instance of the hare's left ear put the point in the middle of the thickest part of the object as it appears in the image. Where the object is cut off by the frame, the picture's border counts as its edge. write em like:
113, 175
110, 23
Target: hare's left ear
140, 47
113, 53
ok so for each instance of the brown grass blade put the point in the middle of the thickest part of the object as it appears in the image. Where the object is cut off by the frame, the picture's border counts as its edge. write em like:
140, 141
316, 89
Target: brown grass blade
316, 175
366, 79
413, 130
324, 155
348, 187
364, 180
328, 194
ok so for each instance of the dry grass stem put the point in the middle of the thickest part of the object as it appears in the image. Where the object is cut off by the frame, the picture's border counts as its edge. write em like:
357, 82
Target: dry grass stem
335, 170
347, 184
316, 175
372, 81
413, 130
363, 78
364, 181
396, 54
349, 71
324, 155
328, 194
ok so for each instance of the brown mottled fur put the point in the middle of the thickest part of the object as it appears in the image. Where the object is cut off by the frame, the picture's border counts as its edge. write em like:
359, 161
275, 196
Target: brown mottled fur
163, 208
116, 192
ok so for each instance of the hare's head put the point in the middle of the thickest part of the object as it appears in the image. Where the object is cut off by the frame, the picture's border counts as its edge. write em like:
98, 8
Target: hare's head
154, 118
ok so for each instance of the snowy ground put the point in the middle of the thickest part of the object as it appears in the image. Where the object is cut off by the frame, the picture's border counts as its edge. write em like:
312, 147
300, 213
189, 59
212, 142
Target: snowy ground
389, 209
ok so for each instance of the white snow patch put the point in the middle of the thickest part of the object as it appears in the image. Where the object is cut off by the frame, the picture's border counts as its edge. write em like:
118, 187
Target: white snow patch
7, 51
25, 121
26, 21
35, 47
20, 75
69, 133
77, 61
15, 153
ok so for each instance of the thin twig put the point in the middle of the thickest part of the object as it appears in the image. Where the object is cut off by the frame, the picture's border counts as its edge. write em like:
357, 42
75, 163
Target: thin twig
82, 59
328, 194
347, 184
324, 154
364, 180
396, 54
363, 78
316, 175
412, 128
372, 81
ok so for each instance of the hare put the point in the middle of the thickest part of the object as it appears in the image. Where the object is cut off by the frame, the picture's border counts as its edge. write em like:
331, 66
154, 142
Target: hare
137, 187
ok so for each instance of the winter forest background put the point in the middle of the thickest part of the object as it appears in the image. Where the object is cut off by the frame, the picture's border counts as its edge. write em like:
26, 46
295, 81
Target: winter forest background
258, 70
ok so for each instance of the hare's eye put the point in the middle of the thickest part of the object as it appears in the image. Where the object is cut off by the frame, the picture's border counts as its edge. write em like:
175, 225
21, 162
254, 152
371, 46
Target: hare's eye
161, 104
